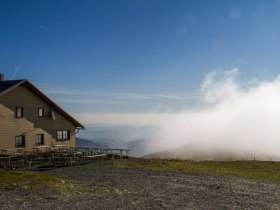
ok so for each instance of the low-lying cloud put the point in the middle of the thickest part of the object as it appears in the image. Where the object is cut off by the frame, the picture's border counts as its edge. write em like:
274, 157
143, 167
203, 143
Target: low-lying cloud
235, 121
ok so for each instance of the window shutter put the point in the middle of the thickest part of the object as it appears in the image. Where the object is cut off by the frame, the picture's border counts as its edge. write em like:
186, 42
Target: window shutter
23, 141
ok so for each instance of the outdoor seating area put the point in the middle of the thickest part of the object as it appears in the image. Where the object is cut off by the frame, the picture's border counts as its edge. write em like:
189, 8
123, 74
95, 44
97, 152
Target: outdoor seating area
56, 156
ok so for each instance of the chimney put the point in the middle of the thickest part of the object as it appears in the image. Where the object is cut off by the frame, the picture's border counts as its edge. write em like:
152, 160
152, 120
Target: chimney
1, 77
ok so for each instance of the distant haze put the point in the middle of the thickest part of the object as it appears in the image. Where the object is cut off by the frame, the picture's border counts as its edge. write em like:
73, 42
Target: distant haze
235, 120
136, 138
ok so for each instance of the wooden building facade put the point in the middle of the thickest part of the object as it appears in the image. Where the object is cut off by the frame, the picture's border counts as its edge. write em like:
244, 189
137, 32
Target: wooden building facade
28, 118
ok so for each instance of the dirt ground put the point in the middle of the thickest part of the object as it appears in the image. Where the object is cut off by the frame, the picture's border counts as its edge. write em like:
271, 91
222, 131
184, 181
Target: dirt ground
113, 188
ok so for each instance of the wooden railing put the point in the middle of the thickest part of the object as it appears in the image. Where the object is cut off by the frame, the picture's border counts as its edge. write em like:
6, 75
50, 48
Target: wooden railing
58, 155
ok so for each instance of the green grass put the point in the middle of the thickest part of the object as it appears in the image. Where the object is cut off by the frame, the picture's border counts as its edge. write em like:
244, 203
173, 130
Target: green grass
27, 180
258, 170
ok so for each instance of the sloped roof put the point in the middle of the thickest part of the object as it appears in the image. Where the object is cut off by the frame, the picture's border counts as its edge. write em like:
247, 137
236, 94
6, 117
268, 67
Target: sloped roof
7, 85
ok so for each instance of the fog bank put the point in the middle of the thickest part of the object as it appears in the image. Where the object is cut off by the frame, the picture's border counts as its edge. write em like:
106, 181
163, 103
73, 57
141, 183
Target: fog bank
235, 121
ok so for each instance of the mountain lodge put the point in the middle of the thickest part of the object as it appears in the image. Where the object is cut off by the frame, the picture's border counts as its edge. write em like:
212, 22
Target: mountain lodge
28, 118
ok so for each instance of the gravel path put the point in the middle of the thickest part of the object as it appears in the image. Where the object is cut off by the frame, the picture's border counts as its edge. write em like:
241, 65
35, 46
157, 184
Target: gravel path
112, 188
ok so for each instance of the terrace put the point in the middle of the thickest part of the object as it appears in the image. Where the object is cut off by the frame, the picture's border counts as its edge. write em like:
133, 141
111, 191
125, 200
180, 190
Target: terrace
56, 156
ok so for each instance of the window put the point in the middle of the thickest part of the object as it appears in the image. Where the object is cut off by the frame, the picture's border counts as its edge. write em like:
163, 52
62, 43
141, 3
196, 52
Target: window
40, 112
39, 139
19, 112
63, 135
59, 135
20, 141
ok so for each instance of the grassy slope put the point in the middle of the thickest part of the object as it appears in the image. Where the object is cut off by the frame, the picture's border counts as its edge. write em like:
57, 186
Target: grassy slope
259, 170
11, 180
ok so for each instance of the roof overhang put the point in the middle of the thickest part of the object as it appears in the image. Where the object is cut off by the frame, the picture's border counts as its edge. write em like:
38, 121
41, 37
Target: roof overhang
47, 99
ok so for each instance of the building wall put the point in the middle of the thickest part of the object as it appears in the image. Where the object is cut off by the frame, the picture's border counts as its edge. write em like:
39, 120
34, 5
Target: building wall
30, 124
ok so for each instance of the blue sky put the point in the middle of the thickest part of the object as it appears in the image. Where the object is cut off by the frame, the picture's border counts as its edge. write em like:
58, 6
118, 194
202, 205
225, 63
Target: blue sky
135, 56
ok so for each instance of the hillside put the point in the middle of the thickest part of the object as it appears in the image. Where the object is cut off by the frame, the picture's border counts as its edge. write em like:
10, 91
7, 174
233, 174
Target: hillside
88, 143
209, 152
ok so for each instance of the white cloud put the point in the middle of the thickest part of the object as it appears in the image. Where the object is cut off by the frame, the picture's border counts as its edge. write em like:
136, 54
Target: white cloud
236, 122
219, 85
122, 118
45, 28
88, 96
17, 68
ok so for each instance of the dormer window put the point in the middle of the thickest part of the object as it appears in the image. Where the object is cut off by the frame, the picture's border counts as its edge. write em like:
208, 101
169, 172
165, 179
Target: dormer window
40, 112
19, 112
